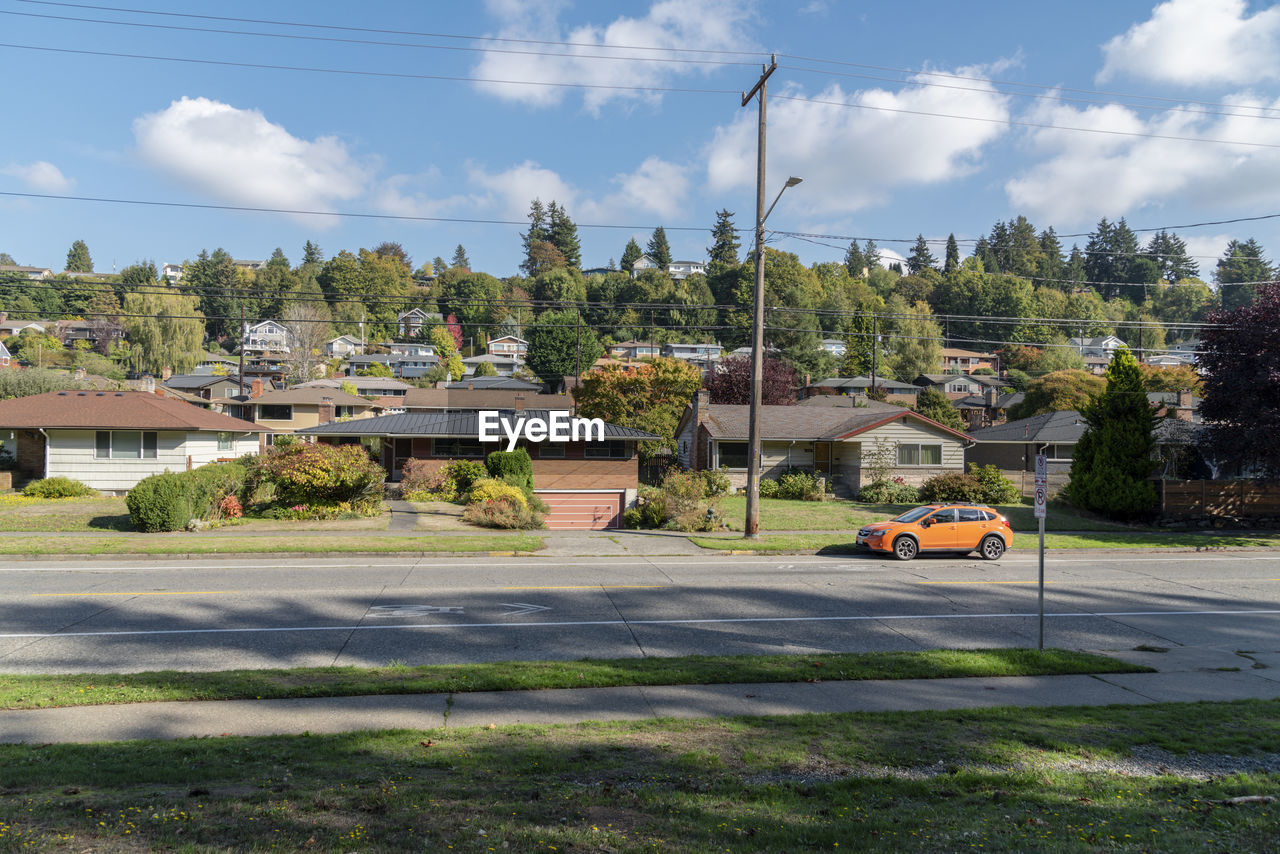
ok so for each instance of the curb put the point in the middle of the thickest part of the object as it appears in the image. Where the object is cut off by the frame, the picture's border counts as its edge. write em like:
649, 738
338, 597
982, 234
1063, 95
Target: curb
44, 558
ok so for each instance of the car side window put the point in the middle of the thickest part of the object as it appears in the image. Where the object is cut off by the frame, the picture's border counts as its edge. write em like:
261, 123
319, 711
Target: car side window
945, 515
972, 514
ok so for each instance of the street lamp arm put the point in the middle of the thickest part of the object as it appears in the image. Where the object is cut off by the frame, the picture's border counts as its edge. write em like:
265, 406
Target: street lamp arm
791, 182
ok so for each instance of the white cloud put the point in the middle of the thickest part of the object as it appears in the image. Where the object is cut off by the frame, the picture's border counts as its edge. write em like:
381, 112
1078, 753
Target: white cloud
669, 24
851, 157
1206, 249
1086, 176
239, 157
40, 175
656, 188
511, 191
1198, 42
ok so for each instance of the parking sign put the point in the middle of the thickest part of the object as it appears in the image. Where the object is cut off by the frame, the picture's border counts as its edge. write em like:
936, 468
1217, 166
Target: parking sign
1042, 486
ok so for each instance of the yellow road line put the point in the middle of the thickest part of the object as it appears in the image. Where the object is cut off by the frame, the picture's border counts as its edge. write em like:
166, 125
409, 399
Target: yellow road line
148, 593
593, 587
984, 582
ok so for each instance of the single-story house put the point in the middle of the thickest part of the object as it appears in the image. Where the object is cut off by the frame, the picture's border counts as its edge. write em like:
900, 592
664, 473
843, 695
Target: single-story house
693, 352
956, 386
388, 392
586, 483
988, 408
110, 440
842, 444
503, 366
632, 350
508, 345
835, 346
1013, 446
17, 327
1101, 346
491, 383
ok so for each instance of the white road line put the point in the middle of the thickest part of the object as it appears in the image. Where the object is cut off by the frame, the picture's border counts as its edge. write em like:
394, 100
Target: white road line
689, 621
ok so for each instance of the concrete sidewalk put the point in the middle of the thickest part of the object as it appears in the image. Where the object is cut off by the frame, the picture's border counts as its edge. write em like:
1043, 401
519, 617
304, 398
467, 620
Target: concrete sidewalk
1185, 675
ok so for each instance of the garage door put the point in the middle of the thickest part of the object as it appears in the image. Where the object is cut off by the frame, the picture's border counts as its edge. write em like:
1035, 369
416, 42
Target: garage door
588, 510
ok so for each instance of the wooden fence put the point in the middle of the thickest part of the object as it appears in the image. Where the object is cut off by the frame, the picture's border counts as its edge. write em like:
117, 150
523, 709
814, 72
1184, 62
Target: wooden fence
1208, 499
1026, 481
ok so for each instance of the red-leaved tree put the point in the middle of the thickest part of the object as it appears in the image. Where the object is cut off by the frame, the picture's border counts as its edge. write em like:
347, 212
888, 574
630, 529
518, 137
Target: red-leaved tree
731, 382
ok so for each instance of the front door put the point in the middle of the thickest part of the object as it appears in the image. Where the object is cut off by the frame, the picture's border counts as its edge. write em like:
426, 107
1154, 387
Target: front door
403, 451
822, 458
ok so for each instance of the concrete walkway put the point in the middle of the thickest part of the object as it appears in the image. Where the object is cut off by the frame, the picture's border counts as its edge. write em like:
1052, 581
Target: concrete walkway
1185, 675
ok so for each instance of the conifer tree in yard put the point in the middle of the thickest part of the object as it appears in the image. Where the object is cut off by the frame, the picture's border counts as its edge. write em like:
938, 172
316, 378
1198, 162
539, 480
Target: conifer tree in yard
562, 233
1112, 461
952, 262
312, 254
725, 245
921, 258
630, 255
460, 259
1242, 262
659, 250
936, 406
1240, 361
538, 231
854, 261
78, 260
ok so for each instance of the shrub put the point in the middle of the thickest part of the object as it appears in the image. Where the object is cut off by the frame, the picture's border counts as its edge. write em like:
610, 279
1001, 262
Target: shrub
159, 503
464, 473
57, 487
799, 485
997, 489
714, 483
424, 480
305, 474
230, 507
514, 467
952, 486
768, 488
895, 491
491, 489
502, 513
680, 503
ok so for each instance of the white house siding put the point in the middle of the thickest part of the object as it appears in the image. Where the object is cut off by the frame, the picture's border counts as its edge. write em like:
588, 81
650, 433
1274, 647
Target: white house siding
893, 434
70, 454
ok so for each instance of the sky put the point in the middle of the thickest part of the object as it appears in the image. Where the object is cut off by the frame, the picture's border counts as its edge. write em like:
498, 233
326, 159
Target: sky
432, 124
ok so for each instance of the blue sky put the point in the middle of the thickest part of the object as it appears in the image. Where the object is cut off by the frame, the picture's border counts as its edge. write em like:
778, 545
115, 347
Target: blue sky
208, 134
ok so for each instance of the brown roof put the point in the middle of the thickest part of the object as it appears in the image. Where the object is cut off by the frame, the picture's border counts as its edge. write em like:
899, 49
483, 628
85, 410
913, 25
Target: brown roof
479, 398
805, 423
127, 410
299, 395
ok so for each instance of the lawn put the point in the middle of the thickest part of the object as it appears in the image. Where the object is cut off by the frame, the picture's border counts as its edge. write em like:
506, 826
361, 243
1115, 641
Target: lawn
1160, 777
83, 689
19, 513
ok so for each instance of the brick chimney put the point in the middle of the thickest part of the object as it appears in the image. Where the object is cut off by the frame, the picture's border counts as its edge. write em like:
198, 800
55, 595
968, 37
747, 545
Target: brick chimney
518, 403
166, 373
149, 384
992, 397
326, 410
1184, 407
701, 453
255, 389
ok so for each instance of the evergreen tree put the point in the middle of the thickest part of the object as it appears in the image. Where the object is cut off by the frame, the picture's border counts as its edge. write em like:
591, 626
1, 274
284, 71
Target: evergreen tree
986, 257
872, 254
1242, 262
659, 250
936, 406
724, 241
855, 262
1168, 252
1051, 264
537, 232
1113, 459
630, 255
952, 262
1075, 270
141, 273
562, 233
78, 260
1024, 249
438, 265
312, 254
921, 258
460, 259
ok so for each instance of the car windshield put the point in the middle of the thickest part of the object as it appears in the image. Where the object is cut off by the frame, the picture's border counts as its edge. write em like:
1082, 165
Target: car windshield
913, 515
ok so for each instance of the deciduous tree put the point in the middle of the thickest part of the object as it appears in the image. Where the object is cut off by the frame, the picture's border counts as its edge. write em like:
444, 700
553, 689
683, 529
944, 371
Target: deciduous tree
935, 405
1058, 392
651, 397
166, 330
730, 382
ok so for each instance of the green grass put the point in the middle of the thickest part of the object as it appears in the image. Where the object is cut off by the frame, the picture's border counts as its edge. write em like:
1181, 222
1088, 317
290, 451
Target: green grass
317, 543
32, 692
843, 543
991, 780
97, 514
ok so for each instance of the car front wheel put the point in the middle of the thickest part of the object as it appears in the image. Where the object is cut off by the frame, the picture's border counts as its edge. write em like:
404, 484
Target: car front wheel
905, 548
991, 548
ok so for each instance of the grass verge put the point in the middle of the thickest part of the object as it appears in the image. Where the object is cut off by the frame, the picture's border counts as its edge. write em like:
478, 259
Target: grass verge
993, 780
39, 691
164, 544
843, 543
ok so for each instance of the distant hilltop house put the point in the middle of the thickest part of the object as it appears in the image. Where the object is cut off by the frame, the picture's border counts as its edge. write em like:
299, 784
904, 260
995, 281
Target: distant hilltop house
1103, 346
248, 265
33, 273
508, 345
265, 336
412, 322
171, 273
676, 269
961, 361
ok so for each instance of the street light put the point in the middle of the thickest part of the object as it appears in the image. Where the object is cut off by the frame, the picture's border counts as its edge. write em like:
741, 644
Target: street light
752, 527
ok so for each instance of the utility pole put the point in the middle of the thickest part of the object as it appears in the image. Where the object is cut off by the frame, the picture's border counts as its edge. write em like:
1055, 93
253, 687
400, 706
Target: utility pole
578, 329
240, 372
875, 350
752, 527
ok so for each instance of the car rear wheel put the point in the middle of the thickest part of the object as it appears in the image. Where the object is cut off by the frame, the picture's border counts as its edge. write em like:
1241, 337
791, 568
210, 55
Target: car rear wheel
905, 548
991, 547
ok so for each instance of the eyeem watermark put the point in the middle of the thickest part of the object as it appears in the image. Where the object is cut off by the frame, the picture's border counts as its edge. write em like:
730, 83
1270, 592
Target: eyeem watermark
560, 427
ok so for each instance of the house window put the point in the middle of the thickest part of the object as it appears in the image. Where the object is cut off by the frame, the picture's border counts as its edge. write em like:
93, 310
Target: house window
613, 449
275, 411
124, 445
733, 455
225, 442
464, 448
919, 455
1059, 453
551, 450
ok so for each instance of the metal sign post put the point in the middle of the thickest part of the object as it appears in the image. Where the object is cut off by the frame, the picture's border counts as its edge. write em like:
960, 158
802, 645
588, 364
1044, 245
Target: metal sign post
1042, 495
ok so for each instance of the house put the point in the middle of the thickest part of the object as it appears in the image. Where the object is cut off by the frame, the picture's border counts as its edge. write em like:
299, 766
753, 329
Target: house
110, 440
503, 366
212, 363
265, 336
1013, 446
207, 386
1182, 405
845, 445
895, 391
11, 271
492, 383
586, 482
411, 348
508, 345
955, 360
402, 366
6, 358
17, 327
101, 333
835, 347
956, 386
458, 397
251, 266
633, 350
171, 273
1103, 346
415, 320
290, 410
676, 269
386, 392
988, 408
693, 352
343, 346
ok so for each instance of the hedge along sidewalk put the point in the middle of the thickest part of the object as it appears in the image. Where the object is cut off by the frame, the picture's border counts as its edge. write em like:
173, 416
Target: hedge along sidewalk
40, 691
844, 542
309, 543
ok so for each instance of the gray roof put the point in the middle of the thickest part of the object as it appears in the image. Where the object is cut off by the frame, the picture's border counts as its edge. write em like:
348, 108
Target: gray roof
844, 401
1175, 431
863, 383
805, 423
449, 424
1065, 427
508, 383
188, 381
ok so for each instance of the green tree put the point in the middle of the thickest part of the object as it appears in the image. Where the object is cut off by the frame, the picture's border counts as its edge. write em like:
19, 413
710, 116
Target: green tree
724, 241
952, 262
166, 330
935, 405
559, 344
659, 250
562, 233
1168, 252
538, 233
447, 351
1113, 459
392, 249
484, 369
651, 397
1059, 391
474, 298
460, 259
915, 347
630, 255
558, 289
375, 369
78, 260
1051, 265
855, 262
921, 258
6, 260
1242, 262
312, 254
222, 291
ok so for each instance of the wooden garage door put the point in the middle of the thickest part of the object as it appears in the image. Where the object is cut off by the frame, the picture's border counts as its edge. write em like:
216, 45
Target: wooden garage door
590, 510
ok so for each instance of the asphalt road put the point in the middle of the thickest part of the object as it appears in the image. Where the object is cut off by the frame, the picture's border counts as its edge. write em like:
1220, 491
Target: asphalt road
122, 616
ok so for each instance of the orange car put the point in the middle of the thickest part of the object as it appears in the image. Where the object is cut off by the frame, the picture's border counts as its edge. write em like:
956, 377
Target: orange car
940, 528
